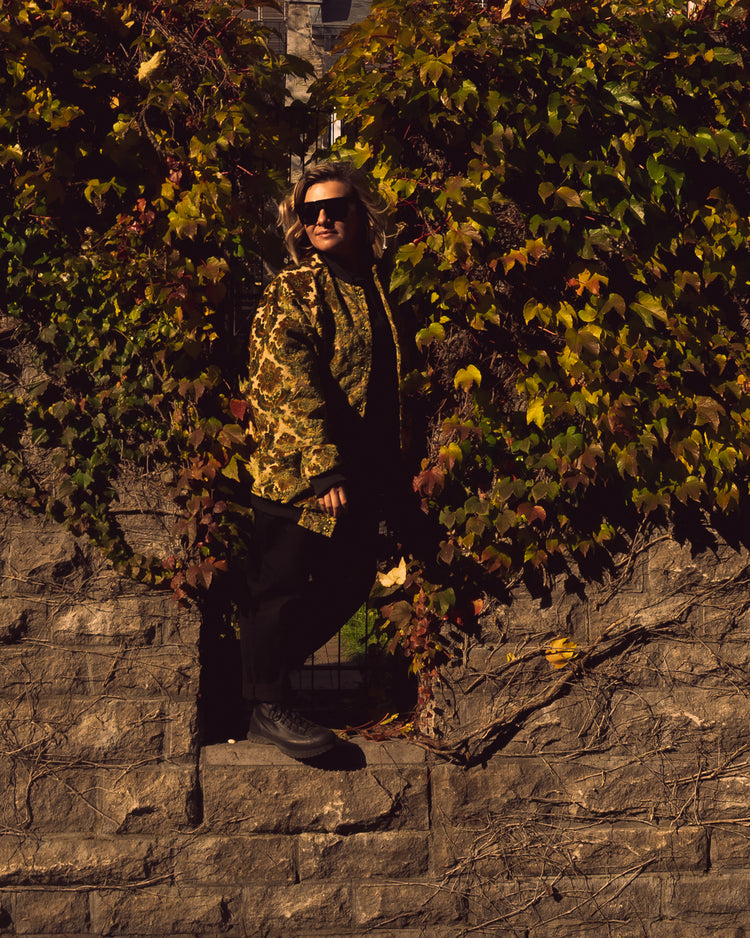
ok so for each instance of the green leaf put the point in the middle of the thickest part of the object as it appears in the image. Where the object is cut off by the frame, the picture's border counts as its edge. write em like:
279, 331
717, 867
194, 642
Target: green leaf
569, 196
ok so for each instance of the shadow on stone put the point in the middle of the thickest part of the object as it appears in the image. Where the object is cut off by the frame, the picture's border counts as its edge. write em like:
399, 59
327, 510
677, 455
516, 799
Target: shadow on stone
344, 757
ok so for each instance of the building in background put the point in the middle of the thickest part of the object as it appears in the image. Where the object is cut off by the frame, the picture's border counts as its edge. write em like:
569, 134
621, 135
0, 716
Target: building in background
310, 30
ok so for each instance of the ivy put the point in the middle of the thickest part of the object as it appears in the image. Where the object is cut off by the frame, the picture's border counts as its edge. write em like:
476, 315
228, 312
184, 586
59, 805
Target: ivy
140, 146
570, 190
571, 193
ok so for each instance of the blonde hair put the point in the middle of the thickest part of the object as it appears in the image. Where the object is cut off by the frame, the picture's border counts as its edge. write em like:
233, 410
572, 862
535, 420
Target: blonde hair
369, 208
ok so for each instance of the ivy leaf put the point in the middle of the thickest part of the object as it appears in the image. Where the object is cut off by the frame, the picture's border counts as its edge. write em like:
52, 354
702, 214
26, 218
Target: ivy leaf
708, 411
465, 378
561, 651
569, 196
435, 332
147, 69
394, 577
535, 412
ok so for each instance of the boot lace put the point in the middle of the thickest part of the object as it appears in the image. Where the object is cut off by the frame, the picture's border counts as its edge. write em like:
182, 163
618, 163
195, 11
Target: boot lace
290, 718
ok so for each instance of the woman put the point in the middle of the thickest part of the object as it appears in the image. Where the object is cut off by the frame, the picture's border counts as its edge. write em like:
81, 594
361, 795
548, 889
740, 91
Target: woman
323, 390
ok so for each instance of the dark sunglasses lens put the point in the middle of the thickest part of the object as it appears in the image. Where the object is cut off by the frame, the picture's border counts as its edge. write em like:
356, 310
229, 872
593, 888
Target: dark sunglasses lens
335, 209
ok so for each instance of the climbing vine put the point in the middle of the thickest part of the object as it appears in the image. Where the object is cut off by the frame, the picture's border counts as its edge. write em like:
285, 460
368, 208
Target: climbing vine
571, 190
141, 146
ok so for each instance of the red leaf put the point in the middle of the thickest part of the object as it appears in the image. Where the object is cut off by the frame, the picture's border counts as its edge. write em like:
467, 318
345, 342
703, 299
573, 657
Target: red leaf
430, 482
238, 409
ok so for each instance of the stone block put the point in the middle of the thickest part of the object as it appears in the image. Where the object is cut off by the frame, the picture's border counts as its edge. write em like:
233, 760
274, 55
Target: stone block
138, 671
28, 727
683, 929
617, 848
140, 617
557, 786
262, 791
75, 859
148, 799
55, 670
510, 848
49, 911
559, 905
181, 740
52, 800
178, 627
709, 663
300, 910
679, 717
406, 905
166, 910
227, 860
121, 620
104, 729
42, 668
730, 846
92, 729
429, 931
671, 663
725, 798
715, 899
20, 618
387, 854
565, 725
462, 796
653, 789
38, 555
147, 515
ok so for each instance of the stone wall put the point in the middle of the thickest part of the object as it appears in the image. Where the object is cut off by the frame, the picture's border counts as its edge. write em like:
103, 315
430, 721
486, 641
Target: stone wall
609, 798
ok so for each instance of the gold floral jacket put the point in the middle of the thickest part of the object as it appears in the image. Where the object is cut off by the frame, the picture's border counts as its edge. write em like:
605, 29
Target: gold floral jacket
309, 368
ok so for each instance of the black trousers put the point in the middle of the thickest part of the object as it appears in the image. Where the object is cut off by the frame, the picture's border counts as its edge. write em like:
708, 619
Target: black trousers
301, 588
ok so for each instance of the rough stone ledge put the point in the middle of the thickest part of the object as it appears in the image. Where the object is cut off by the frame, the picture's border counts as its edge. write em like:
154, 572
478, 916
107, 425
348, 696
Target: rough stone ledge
392, 752
369, 786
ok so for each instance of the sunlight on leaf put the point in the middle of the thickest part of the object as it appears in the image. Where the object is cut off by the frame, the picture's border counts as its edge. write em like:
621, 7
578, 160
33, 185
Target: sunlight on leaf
560, 651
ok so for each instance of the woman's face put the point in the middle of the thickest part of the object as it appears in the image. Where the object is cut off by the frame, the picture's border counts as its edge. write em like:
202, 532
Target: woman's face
329, 214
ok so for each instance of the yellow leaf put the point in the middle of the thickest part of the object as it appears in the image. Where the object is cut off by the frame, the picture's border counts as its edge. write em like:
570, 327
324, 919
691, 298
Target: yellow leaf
394, 577
389, 718
146, 69
466, 377
535, 412
560, 651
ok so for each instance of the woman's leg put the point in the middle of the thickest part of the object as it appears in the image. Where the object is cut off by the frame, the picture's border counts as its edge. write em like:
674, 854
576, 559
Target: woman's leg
302, 588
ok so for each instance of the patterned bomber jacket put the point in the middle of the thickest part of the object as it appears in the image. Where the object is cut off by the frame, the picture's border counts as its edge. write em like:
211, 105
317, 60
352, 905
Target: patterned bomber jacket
309, 368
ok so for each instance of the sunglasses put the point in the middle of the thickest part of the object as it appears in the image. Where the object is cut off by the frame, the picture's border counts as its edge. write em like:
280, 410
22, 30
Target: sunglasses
336, 209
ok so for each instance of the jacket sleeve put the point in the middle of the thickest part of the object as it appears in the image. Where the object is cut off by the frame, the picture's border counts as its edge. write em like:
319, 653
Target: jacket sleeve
284, 385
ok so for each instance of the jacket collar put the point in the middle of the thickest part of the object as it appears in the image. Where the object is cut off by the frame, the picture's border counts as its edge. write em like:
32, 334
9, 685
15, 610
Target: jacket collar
320, 260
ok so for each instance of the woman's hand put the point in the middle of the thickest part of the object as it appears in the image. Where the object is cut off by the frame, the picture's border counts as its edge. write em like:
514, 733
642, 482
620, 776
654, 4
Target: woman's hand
334, 502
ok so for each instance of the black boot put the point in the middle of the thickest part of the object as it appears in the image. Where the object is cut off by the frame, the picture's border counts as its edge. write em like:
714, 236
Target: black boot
289, 731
